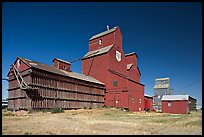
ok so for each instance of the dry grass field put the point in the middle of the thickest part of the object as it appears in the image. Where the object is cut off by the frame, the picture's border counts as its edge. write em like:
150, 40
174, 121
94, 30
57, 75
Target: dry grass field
102, 121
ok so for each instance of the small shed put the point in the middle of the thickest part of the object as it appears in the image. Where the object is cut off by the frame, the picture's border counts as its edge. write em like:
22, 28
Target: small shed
148, 103
177, 104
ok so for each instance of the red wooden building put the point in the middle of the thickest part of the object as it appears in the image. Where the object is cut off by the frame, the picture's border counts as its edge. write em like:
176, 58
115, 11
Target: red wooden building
148, 103
107, 62
177, 104
34, 85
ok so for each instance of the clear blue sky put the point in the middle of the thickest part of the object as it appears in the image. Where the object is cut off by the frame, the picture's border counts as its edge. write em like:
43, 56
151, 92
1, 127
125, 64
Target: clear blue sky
166, 36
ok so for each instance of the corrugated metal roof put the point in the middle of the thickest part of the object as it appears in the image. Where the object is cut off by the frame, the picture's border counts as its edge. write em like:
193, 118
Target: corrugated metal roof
103, 33
98, 51
162, 79
129, 66
175, 97
148, 95
59, 71
62, 60
82, 77
130, 53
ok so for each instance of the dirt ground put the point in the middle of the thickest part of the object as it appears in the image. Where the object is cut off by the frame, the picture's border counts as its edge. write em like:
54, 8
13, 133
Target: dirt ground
102, 121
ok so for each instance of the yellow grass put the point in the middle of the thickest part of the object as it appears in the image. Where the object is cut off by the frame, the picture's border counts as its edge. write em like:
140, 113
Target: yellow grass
105, 121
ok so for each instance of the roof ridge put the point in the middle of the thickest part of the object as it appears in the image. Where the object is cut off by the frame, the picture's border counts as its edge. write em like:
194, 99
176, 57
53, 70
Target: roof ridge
58, 71
103, 33
82, 77
98, 51
25, 59
61, 60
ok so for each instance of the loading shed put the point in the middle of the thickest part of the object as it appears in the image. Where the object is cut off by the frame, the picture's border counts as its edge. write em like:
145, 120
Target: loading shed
148, 103
34, 85
177, 104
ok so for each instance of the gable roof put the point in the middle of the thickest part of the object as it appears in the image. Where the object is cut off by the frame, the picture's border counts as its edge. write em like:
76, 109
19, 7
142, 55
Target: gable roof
145, 95
52, 69
98, 52
61, 60
103, 33
192, 98
130, 54
175, 97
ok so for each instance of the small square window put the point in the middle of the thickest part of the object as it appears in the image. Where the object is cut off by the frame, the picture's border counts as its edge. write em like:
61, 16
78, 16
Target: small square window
169, 104
115, 83
65, 67
100, 41
133, 99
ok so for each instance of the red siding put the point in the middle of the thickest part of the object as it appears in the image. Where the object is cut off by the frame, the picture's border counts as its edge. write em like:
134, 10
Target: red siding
60, 65
133, 73
96, 67
127, 94
178, 107
23, 66
136, 92
109, 39
148, 103
106, 41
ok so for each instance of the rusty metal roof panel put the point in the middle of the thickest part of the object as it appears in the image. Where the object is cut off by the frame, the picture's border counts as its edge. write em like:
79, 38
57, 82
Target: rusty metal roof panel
175, 97
98, 51
103, 33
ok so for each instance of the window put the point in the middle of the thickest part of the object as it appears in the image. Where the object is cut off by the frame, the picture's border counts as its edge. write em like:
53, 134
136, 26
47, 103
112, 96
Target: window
133, 99
169, 104
158, 96
65, 67
100, 41
115, 83
140, 101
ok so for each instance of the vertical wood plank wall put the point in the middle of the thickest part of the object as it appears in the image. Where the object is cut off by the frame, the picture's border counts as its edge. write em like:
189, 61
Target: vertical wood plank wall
52, 91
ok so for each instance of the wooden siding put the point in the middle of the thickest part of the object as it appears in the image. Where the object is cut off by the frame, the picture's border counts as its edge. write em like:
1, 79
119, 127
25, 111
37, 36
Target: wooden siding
53, 91
192, 104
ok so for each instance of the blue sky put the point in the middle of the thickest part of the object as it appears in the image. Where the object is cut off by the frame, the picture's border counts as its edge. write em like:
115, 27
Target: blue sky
167, 37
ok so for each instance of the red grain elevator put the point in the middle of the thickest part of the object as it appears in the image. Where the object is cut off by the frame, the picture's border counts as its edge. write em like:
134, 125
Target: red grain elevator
107, 62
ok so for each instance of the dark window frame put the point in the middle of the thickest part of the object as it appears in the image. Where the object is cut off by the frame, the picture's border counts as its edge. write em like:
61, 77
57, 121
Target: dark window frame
169, 104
